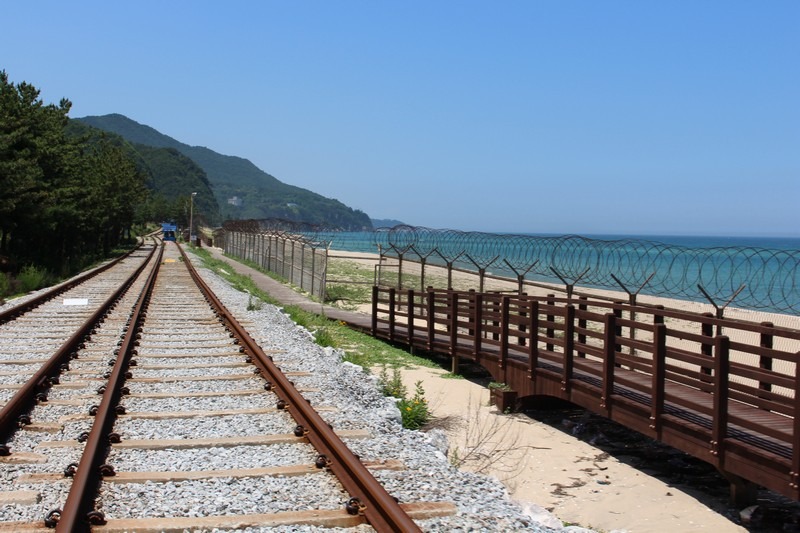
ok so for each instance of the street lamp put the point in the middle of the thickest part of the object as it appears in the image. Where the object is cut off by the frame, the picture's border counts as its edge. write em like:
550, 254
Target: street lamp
191, 209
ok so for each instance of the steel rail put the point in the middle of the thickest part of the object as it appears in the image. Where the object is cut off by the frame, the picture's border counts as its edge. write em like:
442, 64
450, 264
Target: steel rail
78, 514
25, 398
10, 314
368, 497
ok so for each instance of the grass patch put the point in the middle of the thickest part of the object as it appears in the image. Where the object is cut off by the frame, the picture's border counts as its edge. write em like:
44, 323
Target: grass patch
364, 350
414, 411
359, 348
255, 266
31, 278
350, 283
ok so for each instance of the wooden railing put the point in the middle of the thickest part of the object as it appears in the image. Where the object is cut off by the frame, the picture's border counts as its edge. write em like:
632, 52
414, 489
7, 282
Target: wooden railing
721, 390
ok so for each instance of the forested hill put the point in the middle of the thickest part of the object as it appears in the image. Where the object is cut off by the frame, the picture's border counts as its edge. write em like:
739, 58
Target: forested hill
243, 191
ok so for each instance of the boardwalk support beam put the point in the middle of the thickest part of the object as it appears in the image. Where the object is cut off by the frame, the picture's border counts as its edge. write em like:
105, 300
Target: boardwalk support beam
743, 492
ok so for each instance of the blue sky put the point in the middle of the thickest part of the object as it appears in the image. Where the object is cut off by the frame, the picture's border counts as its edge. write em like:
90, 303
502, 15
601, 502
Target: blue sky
590, 117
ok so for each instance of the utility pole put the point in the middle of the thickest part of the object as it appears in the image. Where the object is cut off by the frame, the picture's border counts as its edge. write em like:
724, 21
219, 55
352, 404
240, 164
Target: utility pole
191, 212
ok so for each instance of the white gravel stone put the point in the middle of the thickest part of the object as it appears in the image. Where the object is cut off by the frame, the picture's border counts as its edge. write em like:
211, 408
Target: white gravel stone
215, 458
201, 427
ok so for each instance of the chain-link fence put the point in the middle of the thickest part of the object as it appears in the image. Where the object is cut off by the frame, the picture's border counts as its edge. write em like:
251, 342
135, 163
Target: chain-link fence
290, 255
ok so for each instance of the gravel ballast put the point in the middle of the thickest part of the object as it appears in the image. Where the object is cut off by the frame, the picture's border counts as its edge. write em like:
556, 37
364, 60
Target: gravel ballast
482, 503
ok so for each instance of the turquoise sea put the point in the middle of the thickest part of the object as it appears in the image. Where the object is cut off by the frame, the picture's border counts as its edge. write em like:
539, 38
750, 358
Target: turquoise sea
757, 272
694, 241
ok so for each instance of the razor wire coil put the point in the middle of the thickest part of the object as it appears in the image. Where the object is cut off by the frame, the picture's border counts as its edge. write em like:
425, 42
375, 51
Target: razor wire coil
767, 279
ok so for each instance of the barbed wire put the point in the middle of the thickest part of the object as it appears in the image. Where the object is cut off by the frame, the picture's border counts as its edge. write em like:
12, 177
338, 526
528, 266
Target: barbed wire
758, 278
287, 229
752, 277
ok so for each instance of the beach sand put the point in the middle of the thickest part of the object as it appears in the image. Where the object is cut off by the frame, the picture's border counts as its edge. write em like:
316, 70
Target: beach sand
545, 468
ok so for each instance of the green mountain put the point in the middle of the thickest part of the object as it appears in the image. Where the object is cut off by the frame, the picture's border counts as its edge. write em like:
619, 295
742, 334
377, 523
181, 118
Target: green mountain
172, 177
242, 190
386, 223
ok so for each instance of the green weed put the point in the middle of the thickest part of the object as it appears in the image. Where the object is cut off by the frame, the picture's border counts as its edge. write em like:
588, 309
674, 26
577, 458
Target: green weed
392, 385
5, 285
31, 278
415, 411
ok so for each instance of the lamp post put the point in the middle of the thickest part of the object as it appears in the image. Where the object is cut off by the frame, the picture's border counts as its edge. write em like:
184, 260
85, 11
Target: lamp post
191, 212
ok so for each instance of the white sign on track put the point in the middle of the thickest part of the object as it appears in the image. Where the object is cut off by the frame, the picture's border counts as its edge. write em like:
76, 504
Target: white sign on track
76, 301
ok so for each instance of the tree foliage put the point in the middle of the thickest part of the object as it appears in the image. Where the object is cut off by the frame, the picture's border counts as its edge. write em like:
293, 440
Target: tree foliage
174, 178
64, 200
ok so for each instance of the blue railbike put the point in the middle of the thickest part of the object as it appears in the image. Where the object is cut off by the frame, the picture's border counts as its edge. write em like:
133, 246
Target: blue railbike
169, 231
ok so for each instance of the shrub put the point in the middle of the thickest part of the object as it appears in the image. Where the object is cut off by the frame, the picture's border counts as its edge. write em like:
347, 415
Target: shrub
415, 411
323, 337
31, 278
392, 386
5, 285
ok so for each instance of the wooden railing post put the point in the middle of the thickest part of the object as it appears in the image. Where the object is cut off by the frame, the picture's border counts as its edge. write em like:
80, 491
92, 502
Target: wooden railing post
658, 318
478, 322
522, 325
569, 347
374, 311
412, 308
533, 345
766, 362
582, 323
453, 327
550, 318
471, 297
609, 347
392, 302
707, 348
431, 323
659, 376
495, 323
794, 475
719, 429
504, 331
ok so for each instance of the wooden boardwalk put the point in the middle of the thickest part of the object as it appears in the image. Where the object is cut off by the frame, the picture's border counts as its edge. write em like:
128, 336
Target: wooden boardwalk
721, 390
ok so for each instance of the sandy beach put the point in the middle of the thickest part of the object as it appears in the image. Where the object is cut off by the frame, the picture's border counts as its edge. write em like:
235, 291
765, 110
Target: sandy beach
547, 469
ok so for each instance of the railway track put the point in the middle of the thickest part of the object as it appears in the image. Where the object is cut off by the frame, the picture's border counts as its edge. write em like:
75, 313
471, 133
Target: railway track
169, 416
39, 337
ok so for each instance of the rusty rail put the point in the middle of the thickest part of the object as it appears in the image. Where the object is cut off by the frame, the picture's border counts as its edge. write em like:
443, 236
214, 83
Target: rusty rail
722, 390
368, 496
25, 398
16, 311
78, 514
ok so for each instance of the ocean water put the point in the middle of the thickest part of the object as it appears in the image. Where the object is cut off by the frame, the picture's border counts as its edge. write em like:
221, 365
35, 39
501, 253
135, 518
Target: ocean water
757, 272
695, 241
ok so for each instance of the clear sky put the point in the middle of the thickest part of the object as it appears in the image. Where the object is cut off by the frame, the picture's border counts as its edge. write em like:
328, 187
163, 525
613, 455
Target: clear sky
614, 117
